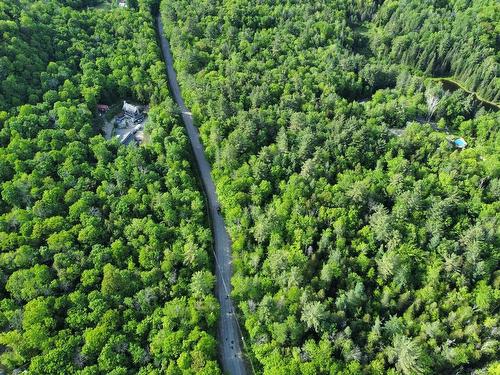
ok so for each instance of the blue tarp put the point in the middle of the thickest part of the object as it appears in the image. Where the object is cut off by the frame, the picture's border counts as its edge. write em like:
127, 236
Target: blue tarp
460, 143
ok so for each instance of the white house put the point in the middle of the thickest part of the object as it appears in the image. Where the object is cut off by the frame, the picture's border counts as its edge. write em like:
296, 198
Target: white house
130, 109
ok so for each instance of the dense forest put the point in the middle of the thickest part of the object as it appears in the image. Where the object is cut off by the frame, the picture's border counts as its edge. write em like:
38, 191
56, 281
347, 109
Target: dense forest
444, 38
364, 241
105, 261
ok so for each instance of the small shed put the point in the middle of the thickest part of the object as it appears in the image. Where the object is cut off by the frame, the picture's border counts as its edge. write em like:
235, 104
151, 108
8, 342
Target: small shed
122, 3
131, 109
460, 143
102, 108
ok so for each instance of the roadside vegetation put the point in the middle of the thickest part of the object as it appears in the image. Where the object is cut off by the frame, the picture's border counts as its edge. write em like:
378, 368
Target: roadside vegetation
363, 240
105, 262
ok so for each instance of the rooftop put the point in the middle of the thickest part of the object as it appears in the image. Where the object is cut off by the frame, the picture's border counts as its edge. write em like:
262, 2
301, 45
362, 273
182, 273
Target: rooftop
460, 143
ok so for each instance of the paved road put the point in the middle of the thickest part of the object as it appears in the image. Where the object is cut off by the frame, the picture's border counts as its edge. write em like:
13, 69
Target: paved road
227, 330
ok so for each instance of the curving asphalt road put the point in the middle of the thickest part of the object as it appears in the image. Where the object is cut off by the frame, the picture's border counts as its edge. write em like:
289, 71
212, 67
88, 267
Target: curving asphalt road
229, 340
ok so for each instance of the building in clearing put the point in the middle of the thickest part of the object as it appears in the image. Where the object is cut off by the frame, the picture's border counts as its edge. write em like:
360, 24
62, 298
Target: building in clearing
122, 3
130, 109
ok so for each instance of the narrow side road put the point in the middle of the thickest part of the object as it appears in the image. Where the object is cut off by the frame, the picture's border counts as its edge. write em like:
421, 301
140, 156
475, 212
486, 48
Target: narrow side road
229, 340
